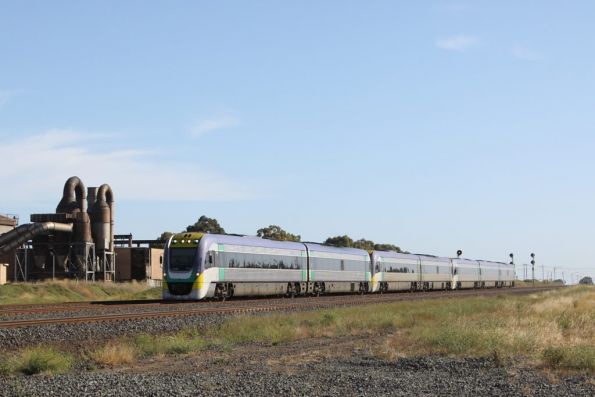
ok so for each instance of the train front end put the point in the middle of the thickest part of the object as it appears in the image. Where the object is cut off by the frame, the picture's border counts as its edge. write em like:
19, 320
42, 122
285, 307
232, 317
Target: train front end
182, 267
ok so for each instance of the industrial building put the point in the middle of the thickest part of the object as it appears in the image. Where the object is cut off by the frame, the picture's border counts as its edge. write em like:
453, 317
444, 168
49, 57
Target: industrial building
77, 241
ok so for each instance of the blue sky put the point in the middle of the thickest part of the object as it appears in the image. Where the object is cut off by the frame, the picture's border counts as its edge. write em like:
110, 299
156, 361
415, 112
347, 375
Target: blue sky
433, 125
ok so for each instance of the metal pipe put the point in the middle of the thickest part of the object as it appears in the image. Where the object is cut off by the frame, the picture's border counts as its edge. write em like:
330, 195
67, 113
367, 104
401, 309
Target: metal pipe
74, 196
24, 233
102, 218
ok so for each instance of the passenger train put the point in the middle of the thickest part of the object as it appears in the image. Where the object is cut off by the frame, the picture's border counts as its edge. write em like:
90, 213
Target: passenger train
199, 266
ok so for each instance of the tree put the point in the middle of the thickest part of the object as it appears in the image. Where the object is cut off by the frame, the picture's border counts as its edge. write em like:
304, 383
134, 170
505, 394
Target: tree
206, 225
165, 236
274, 232
339, 241
387, 247
364, 244
586, 280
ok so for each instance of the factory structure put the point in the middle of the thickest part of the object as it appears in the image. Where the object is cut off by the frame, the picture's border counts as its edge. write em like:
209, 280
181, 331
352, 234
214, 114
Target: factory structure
76, 241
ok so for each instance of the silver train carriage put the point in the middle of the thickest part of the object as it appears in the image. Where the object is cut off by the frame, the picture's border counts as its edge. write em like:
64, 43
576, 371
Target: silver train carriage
199, 266
395, 271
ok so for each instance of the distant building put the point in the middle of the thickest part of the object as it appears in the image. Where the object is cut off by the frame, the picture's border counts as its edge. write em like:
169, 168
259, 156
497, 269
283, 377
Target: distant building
7, 223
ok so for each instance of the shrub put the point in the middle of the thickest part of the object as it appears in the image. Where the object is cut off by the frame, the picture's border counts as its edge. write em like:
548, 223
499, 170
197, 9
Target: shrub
5, 365
578, 358
43, 359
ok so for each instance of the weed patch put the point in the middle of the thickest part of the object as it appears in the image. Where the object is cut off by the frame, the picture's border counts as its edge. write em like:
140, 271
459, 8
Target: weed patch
114, 354
43, 360
74, 291
575, 358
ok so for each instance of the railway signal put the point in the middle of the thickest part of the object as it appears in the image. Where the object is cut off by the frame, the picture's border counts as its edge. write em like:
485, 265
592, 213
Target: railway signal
533, 267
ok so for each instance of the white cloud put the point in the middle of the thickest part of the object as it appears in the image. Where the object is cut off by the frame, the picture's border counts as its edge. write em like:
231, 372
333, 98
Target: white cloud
213, 124
457, 43
524, 53
36, 167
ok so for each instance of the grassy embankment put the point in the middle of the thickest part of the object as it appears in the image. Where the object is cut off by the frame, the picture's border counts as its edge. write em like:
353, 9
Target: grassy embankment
554, 329
74, 291
537, 283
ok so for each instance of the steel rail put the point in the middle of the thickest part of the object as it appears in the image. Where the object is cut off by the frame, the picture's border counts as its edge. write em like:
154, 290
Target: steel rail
12, 309
311, 303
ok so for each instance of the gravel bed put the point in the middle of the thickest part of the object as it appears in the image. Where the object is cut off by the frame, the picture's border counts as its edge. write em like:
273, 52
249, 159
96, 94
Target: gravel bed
101, 330
424, 376
102, 310
76, 333
13, 338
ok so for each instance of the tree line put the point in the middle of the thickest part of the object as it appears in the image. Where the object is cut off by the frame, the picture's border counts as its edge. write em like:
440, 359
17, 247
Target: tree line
205, 224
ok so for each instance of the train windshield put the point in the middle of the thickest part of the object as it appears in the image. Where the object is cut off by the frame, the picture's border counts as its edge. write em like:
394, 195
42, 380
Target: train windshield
181, 259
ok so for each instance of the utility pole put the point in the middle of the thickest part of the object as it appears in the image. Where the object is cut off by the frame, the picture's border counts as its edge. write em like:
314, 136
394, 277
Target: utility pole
554, 273
542, 274
563, 279
533, 268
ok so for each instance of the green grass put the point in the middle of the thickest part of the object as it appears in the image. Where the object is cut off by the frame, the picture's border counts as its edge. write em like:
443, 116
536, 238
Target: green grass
180, 343
572, 358
74, 291
5, 365
42, 360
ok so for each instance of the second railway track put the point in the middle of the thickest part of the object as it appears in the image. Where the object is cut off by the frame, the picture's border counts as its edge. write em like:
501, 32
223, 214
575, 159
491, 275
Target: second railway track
239, 306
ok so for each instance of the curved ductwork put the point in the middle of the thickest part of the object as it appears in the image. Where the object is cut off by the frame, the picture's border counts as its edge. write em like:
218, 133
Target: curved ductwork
102, 218
24, 233
74, 196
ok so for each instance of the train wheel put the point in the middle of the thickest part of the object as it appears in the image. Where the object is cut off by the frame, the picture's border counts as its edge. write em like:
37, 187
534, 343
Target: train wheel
316, 289
220, 292
290, 290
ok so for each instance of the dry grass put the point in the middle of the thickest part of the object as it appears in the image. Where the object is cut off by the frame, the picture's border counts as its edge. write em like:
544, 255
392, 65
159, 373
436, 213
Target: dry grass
538, 283
115, 354
74, 291
555, 329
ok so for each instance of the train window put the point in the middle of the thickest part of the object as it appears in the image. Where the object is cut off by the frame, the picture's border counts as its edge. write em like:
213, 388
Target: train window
261, 261
342, 265
181, 259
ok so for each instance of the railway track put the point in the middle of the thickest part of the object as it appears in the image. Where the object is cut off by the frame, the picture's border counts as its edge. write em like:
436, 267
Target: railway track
242, 306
